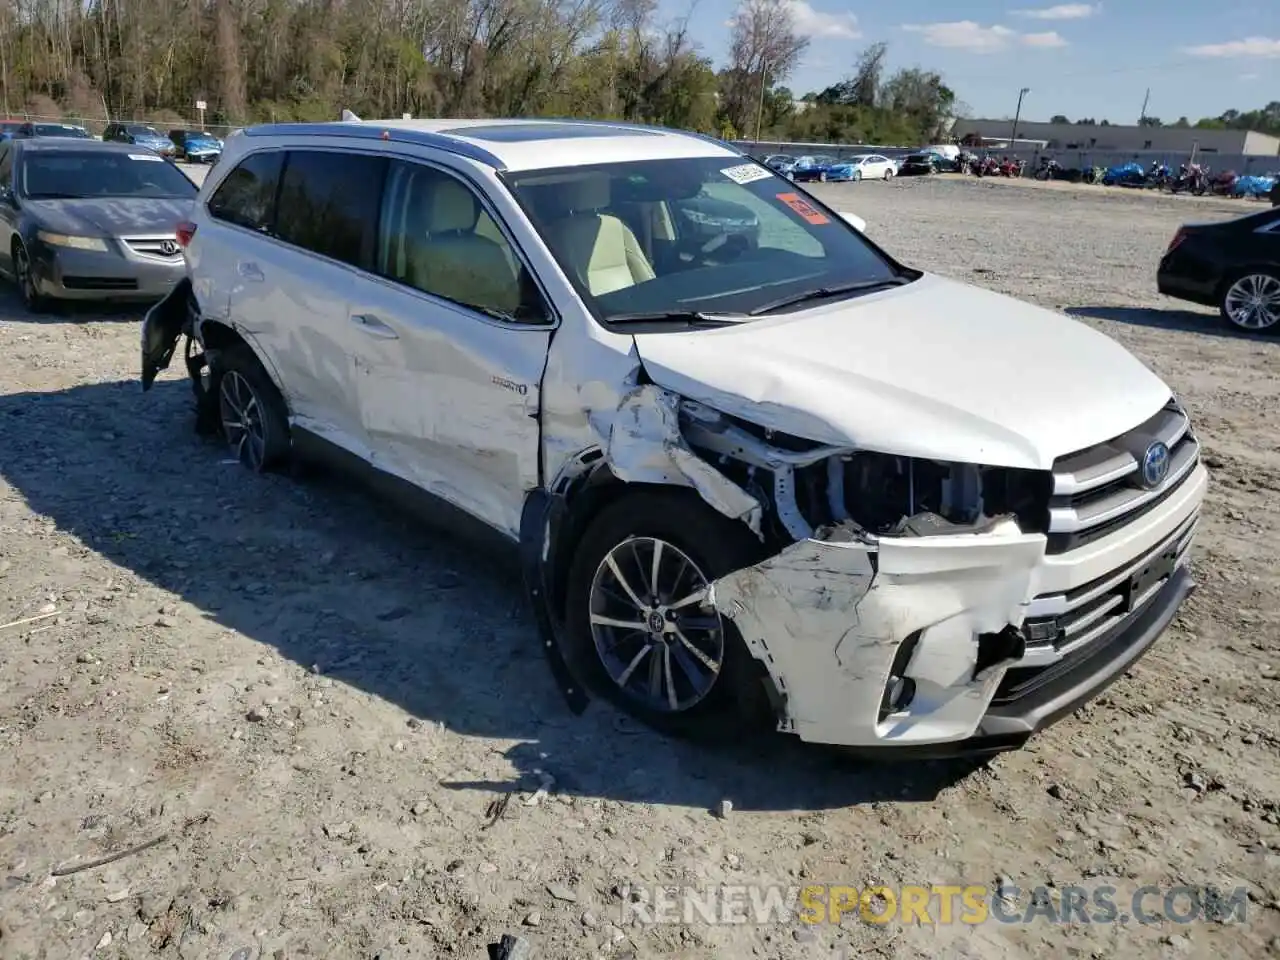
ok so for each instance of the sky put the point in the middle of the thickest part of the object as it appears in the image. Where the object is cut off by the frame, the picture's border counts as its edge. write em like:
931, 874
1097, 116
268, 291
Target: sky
1078, 59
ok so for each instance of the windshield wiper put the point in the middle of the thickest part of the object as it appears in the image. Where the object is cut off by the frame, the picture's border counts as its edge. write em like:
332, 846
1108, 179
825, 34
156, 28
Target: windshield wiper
678, 316
861, 286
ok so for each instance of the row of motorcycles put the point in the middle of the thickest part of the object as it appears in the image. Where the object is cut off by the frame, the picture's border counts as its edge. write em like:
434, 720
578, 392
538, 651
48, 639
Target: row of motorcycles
1193, 178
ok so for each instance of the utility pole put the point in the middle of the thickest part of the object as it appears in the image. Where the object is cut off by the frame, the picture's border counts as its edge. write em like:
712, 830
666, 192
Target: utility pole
1017, 114
1145, 100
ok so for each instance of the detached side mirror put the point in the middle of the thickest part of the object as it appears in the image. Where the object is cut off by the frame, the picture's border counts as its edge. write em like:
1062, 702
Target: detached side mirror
854, 221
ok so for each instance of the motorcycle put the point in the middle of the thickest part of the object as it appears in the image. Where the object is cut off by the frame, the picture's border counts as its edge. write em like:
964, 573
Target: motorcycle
1193, 179
988, 167
1223, 184
1012, 168
1048, 170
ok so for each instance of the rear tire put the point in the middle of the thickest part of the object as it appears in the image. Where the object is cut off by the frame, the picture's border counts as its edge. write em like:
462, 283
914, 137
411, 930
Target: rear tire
696, 546
1250, 301
253, 417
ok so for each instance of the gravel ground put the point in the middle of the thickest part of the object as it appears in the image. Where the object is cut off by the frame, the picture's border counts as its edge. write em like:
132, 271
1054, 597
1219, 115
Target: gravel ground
317, 705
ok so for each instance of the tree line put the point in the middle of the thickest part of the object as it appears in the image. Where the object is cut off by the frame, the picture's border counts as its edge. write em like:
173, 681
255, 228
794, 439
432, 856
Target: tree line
1263, 120
263, 60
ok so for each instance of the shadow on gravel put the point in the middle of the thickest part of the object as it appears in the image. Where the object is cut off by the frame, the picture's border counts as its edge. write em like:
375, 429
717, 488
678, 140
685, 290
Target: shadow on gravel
13, 311
1184, 321
336, 581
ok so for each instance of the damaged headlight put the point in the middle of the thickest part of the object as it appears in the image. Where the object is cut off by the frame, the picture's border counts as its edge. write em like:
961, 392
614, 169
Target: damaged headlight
809, 485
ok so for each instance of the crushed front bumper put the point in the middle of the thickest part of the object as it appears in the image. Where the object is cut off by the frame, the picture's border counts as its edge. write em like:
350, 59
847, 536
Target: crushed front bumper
838, 622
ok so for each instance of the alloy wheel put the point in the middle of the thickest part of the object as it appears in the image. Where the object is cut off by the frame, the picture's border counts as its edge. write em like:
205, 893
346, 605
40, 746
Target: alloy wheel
1253, 302
26, 282
242, 419
656, 643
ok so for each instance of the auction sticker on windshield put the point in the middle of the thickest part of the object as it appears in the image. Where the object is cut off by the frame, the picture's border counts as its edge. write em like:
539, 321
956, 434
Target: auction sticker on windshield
143, 156
747, 173
803, 208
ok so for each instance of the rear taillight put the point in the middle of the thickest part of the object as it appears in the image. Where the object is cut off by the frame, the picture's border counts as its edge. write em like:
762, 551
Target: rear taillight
1177, 239
186, 230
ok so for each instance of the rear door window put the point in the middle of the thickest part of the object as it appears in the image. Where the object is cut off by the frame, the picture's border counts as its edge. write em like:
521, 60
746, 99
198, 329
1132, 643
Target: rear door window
329, 202
247, 196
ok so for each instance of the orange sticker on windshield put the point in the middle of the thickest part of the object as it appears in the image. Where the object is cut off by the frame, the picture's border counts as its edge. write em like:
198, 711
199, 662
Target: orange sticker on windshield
804, 208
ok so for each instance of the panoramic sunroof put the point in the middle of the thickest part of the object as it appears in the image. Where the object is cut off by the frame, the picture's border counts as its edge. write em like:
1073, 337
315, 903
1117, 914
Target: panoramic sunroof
524, 132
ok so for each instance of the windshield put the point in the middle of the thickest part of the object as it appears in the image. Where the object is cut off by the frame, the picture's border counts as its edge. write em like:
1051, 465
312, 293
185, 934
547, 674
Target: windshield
918, 158
69, 176
60, 130
145, 132
854, 161
706, 235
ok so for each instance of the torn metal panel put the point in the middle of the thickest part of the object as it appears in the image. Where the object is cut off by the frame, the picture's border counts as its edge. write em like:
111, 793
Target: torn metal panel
827, 618
646, 446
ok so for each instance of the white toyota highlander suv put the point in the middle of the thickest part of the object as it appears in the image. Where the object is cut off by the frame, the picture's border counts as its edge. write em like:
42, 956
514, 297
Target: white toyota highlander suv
755, 468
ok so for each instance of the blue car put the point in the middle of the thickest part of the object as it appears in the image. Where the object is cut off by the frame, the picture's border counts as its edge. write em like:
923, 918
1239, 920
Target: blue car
141, 135
813, 168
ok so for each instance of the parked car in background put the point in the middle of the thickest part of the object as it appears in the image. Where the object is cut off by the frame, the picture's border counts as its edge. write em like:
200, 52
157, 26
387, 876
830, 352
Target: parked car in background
29, 130
88, 220
812, 168
865, 166
140, 135
711, 459
781, 163
1233, 265
196, 146
8, 128
919, 164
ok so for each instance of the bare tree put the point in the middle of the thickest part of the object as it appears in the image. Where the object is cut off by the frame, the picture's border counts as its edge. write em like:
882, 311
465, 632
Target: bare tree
764, 48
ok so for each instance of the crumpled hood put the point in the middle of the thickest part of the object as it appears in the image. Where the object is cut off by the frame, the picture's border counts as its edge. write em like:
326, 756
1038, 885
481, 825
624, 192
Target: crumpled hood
111, 216
936, 369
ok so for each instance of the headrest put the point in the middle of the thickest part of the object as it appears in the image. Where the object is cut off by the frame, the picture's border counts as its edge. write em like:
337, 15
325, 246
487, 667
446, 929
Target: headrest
451, 207
585, 194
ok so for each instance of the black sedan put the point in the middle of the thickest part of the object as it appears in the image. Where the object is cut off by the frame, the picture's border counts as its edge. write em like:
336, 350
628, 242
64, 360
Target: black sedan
1233, 265
87, 220
918, 164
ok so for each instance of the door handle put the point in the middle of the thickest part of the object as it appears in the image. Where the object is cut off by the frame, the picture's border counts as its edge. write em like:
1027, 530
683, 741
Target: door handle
374, 326
249, 270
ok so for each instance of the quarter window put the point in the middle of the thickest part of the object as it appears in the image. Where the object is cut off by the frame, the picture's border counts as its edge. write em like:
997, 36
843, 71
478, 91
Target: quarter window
329, 203
247, 196
437, 237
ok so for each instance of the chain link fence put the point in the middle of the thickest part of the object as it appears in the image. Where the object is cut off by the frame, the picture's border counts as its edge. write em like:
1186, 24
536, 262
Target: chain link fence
96, 124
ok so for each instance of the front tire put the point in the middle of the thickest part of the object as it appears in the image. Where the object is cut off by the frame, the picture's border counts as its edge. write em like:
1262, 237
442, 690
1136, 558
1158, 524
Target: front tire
1251, 301
252, 415
888, 174
822, 177
26, 281
636, 635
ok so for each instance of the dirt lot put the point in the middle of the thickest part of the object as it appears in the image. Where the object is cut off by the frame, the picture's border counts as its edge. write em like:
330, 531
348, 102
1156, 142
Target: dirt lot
318, 703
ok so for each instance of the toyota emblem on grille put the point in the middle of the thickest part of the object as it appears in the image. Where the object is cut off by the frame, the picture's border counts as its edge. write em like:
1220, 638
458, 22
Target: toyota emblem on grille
169, 248
1155, 465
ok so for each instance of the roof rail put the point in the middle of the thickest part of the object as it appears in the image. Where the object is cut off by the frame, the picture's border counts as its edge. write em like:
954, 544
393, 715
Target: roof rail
364, 130
625, 125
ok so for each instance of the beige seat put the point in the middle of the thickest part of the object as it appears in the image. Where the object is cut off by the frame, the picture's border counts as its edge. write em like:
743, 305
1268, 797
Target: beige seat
453, 260
599, 247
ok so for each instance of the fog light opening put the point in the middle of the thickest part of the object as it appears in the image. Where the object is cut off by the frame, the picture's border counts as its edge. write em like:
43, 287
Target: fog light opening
899, 689
898, 694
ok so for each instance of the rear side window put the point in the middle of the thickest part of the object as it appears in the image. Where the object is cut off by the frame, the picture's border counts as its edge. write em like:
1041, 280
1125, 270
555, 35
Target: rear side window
329, 204
247, 196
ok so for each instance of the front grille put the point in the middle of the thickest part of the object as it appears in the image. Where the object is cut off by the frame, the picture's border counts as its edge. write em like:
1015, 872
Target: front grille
99, 283
1067, 628
1096, 490
162, 248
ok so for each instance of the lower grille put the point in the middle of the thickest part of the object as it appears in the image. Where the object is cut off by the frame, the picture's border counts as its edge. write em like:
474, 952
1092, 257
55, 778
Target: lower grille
99, 283
1098, 490
1072, 626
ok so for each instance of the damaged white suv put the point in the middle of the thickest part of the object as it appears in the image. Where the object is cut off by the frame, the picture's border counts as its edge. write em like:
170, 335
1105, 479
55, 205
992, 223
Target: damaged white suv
755, 468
